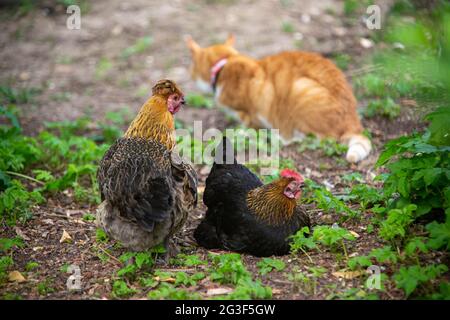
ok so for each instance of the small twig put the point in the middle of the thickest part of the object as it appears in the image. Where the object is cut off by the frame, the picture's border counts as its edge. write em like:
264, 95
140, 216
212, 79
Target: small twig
281, 281
345, 250
309, 257
57, 215
177, 270
109, 255
25, 177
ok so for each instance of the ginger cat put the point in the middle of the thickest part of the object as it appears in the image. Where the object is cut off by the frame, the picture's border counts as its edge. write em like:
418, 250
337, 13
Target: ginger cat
296, 92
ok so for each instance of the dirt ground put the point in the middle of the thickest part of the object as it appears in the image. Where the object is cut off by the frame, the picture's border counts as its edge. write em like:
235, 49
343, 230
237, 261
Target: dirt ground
37, 50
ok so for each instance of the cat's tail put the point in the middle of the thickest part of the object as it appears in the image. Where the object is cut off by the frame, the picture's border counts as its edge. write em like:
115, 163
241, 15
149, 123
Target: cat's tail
359, 147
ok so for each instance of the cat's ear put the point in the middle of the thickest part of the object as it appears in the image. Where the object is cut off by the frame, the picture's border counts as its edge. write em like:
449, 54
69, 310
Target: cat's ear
231, 40
192, 45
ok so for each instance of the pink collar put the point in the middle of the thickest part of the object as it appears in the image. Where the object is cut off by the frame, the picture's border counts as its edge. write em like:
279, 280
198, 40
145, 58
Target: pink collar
215, 70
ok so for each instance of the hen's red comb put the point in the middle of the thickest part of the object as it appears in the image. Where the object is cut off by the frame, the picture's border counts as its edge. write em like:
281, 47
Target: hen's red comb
288, 173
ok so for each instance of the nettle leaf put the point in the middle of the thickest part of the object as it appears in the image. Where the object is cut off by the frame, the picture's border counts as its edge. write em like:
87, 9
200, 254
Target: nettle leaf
391, 148
385, 254
446, 193
8, 243
396, 222
360, 261
403, 186
144, 259
43, 175
439, 234
127, 270
188, 260
121, 289
5, 263
301, 241
439, 128
409, 278
267, 265
416, 245
330, 236
431, 175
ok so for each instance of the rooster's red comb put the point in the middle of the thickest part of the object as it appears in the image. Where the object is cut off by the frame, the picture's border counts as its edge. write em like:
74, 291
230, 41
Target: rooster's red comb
288, 173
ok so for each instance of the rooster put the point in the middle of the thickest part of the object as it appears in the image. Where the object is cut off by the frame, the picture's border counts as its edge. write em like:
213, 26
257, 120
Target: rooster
246, 216
146, 188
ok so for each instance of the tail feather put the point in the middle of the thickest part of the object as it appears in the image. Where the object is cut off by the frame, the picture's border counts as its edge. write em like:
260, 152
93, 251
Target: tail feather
359, 147
206, 235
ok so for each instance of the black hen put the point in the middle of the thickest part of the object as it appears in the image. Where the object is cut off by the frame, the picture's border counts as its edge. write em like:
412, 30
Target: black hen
246, 216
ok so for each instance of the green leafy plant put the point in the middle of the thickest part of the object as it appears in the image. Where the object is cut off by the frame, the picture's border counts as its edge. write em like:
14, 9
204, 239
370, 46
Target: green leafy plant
141, 45
16, 201
101, 236
332, 236
301, 241
17, 96
247, 289
365, 195
228, 268
397, 222
330, 147
439, 234
199, 101
386, 108
267, 265
326, 201
287, 27
342, 61
192, 260
167, 291
187, 280
45, 287
30, 266
120, 289
409, 278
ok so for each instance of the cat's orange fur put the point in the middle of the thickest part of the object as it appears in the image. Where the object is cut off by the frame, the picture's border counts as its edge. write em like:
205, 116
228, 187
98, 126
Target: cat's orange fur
296, 92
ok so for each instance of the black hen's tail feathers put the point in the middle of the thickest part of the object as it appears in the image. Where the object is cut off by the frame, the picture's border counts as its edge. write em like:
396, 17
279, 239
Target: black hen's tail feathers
206, 235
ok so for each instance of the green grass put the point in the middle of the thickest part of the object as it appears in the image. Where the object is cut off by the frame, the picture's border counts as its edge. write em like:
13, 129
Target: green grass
287, 27
329, 146
141, 45
9, 95
199, 101
102, 67
385, 107
342, 61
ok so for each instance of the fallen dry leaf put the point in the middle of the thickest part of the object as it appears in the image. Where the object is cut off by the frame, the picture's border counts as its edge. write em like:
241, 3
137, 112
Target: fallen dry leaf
354, 234
169, 280
65, 237
348, 274
218, 291
20, 233
276, 291
16, 276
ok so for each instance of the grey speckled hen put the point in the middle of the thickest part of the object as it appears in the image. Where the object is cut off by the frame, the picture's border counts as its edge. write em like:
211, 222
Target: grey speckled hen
146, 188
